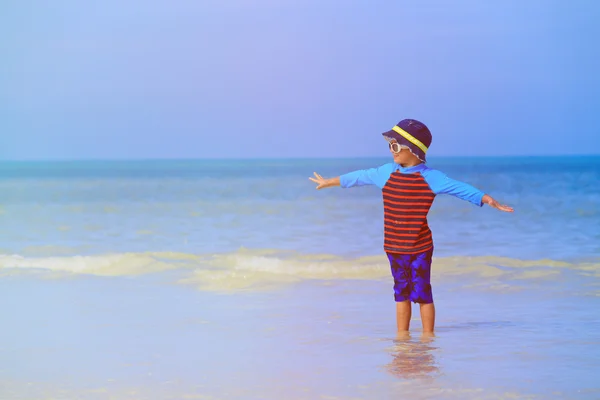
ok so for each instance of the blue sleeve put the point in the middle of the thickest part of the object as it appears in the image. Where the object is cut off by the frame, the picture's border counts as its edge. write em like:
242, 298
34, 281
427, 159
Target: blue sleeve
373, 176
442, 184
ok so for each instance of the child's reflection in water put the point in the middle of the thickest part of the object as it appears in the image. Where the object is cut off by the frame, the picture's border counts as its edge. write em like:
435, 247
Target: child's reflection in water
413, 358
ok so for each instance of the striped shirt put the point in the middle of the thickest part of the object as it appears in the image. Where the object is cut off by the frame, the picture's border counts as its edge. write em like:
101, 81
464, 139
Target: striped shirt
408, 194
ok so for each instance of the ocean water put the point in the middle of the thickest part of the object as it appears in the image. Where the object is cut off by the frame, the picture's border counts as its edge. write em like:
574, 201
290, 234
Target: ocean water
237, 279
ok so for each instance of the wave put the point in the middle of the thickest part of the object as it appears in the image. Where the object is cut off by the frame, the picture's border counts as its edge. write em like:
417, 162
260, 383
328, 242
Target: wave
252, 268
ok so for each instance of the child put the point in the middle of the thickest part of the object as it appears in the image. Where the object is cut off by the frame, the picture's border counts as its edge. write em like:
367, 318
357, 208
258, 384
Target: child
409, 187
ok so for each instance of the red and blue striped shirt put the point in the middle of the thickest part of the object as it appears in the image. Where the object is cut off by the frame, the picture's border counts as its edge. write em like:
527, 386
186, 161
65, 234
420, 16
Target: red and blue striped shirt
408, 194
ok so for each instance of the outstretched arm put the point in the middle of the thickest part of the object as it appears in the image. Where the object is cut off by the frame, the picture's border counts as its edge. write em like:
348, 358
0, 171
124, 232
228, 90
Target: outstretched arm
442, 184
325, 182
363, 177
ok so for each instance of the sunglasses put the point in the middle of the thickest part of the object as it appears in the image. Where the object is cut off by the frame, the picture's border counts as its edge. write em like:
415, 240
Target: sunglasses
396, 147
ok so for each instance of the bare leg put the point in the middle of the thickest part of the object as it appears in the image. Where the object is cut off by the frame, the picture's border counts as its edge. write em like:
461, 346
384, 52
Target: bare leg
403, 312
403, 336
428, 317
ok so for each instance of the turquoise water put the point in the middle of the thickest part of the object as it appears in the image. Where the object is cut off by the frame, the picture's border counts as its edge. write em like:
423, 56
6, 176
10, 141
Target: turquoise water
208, 206
237, 279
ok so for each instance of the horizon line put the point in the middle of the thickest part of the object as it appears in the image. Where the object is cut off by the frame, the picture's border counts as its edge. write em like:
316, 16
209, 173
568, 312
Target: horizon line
148, 159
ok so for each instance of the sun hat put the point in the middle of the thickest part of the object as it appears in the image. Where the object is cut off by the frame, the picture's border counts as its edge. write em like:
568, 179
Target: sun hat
411, 133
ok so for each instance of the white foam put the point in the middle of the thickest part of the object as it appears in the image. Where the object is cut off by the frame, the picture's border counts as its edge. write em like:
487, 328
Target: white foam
104, 265
245, 268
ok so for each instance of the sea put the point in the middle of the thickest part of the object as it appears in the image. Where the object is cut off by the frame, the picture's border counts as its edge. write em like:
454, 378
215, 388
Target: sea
237, 279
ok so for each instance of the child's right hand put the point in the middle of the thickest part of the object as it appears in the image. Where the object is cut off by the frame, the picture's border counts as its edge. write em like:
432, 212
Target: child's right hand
489, 200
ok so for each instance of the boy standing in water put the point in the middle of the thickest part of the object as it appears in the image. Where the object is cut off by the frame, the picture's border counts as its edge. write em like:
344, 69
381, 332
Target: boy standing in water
409, 187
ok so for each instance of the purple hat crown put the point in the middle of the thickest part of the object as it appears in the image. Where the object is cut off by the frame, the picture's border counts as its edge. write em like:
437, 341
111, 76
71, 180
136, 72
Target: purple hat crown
412, 133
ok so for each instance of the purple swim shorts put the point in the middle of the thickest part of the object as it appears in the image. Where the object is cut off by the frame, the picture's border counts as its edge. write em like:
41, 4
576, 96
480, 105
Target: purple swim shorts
412, 274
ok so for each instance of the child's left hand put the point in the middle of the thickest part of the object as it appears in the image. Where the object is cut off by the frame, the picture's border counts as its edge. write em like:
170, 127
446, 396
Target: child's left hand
489, 200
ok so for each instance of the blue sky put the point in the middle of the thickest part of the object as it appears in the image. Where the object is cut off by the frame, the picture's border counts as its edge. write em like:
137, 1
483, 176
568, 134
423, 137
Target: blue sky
314, 78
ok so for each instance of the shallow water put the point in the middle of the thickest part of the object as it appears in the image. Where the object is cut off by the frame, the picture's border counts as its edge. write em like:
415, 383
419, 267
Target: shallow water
225, 280
142, 338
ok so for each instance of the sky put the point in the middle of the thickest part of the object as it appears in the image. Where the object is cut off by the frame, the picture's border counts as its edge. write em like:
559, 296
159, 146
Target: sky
144, 79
